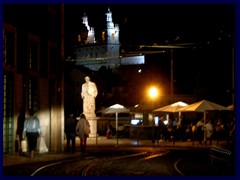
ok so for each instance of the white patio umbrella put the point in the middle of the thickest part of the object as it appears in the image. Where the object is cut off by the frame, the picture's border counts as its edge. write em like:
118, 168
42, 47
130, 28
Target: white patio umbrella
231, 107
203, 106
172, 108
116, 109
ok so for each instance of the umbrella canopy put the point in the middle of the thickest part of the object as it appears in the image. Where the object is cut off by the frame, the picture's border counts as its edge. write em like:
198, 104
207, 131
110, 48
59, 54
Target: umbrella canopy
116, 108
172, 107
143, 107
231, 107
202, 106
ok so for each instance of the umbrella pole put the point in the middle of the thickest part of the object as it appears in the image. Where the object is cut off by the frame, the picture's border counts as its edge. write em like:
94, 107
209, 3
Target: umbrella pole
179, 117
204, 123
117, 126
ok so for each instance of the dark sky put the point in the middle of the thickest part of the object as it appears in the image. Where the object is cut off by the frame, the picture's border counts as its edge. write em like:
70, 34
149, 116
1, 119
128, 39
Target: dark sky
155, 23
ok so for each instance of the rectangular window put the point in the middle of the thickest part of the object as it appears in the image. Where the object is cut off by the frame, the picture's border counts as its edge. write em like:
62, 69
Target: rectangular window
9, 45
33, 52
33, 55
33, 94
52, 57
8, 115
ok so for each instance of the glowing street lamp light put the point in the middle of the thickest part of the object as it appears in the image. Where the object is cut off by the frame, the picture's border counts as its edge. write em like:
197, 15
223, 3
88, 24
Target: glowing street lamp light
153, 92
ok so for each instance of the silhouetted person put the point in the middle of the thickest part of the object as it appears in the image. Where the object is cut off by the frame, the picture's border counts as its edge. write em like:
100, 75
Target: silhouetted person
80, 132
162, 128
20, 125
70, 131
218, 129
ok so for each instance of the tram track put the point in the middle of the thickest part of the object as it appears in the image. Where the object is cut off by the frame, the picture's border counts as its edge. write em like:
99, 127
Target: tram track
146, 157
146, 163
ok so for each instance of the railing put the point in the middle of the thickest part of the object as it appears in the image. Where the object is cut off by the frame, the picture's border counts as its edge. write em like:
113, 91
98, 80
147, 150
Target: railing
221, 159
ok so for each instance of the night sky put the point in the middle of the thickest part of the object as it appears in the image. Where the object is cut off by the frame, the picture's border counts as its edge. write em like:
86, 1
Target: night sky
147, 24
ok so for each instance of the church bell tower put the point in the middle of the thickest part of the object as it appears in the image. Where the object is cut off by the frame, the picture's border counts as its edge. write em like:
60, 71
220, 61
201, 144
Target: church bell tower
112, 36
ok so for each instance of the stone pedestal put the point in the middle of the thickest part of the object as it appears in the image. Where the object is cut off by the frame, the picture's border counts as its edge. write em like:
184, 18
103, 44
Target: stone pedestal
93, 124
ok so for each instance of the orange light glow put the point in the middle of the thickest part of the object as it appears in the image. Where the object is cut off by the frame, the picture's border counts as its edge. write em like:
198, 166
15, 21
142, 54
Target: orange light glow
153, 92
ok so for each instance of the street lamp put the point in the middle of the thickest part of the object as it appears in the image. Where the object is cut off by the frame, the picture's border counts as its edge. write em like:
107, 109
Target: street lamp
171, 47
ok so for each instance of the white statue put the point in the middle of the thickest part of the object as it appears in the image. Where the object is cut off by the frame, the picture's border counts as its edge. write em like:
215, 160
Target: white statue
89, 93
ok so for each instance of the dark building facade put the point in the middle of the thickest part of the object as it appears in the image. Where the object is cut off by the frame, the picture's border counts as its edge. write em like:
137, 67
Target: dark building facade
33, 58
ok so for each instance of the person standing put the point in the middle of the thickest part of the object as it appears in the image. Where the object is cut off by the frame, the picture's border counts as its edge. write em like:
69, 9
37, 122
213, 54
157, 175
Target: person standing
218, 127
208, 131
70, 125
162, 128
231, 133
200, 134
175, 129
80, 131
20, 125
32, 131
88, 94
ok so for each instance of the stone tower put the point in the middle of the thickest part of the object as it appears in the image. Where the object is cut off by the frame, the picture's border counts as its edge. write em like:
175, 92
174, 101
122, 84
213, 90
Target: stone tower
112, 36
91, 33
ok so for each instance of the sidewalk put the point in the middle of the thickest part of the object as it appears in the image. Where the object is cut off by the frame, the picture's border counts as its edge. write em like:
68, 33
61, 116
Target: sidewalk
101, 143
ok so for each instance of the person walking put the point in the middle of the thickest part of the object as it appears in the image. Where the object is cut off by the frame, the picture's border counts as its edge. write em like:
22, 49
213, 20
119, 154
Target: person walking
31, 131
82, 124
70, 125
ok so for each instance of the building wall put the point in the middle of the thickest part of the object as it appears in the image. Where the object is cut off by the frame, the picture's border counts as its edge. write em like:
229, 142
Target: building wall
33, 76
44, 114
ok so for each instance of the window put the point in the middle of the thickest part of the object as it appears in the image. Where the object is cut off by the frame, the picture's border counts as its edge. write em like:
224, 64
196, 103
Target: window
33, 52
9, 45
52, 57
33, 55
33, 94
8, 115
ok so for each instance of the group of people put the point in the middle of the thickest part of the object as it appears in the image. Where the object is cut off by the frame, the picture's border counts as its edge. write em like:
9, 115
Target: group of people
29, 129
28, 125
202, 132
73, 128
210, 131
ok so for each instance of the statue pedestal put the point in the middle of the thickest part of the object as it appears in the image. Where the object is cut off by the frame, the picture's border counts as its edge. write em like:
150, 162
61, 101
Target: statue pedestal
93, 124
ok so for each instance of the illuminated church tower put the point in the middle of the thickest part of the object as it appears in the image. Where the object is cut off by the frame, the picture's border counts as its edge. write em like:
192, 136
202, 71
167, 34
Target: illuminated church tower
112, 36
93, 54
91, 33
